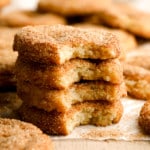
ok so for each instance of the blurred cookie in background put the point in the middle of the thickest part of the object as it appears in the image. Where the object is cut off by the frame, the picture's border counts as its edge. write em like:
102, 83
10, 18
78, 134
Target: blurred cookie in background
137, 80
4, 3
24, 18
7, 58
9, 104
72, 7
126, 17
140, 56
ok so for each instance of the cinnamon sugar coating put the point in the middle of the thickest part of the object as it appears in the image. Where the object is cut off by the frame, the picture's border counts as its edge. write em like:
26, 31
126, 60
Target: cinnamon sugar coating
127, 41
18, 135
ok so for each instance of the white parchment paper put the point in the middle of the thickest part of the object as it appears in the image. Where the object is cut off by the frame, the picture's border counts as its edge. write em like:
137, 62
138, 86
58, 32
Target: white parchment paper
127, 129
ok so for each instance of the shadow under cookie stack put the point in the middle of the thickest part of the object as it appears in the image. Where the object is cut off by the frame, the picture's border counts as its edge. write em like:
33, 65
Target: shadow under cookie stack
67, 77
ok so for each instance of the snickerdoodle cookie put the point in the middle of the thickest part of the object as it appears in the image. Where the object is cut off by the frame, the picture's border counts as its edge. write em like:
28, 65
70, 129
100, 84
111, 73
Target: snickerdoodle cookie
18, 135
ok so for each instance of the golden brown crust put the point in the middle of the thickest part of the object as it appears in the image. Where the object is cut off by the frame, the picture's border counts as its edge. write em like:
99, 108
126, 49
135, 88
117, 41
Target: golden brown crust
9, 104
63, 99
137, 80
96, 113
144, 117
24, 18
20, 135
128, 18
138, 89
135, 72
141, 61
75, 70
59, 43
140, 56
126, 40
73, 7
4, 3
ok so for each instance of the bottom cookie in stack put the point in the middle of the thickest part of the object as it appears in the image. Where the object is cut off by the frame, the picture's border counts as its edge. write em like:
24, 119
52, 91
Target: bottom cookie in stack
99, 113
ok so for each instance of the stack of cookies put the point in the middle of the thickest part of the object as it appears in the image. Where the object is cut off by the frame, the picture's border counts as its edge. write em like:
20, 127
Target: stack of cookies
68, 76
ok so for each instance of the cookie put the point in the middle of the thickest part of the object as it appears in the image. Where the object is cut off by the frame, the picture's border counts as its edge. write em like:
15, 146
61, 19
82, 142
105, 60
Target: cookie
4, 3
9, 104
61, 100
144, 117
138, 60
75, 70
73, 7
126, 17
6, 37
137, 80
7, 58
95, 113
24, 18
140, 57
59, 43
127, 41
18, 135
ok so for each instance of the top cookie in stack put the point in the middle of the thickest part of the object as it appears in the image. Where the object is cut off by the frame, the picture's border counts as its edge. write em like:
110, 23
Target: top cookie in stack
58, 44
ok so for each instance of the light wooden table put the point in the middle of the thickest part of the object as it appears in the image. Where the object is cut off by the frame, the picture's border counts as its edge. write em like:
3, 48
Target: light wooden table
100, 145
